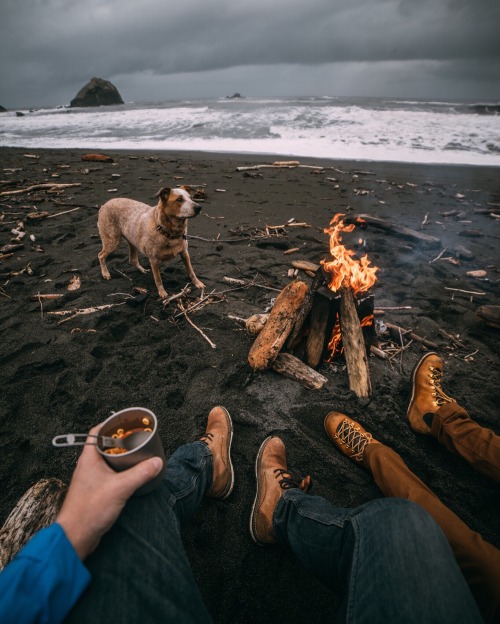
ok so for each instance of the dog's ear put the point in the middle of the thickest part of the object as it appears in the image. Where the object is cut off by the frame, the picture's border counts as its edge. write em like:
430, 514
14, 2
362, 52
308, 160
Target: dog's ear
187, 188
163, 193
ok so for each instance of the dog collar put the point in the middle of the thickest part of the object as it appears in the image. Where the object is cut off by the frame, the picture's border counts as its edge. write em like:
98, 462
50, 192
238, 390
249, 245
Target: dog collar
168, 234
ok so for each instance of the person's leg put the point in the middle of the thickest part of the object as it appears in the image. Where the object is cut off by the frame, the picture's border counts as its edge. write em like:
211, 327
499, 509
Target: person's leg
432, 411
388, 557
479, 446
478, 560
140, 572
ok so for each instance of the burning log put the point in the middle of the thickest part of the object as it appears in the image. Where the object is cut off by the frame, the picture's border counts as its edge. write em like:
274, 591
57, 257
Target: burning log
354, 345
320, 316
278, 326
347, 277
304, 310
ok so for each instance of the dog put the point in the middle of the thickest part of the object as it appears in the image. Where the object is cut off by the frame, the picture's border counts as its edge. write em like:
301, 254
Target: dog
158, 232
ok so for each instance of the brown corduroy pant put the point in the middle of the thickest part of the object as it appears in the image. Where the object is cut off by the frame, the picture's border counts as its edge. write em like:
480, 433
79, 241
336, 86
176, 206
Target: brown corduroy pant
478, 560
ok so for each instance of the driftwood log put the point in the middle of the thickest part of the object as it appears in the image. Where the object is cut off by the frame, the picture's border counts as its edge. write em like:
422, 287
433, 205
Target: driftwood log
354, 345
35, 510
489, 314
304, 310
268, 343
400, 230
320, 316
288, 365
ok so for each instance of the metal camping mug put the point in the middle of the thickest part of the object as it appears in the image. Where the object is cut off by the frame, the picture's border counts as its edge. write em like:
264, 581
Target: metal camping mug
128, 419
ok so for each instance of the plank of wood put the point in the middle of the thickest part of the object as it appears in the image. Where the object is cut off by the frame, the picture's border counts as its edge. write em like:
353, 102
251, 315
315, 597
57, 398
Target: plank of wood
354, 345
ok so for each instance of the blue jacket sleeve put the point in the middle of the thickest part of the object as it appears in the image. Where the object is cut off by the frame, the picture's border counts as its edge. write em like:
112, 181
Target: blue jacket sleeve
44, 581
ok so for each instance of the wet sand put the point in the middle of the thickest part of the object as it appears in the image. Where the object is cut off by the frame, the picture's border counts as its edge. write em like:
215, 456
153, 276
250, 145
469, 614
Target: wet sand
62, 377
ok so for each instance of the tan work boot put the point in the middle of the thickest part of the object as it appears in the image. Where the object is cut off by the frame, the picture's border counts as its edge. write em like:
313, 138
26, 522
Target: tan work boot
347, 435
273, 478
427, 395
218, 437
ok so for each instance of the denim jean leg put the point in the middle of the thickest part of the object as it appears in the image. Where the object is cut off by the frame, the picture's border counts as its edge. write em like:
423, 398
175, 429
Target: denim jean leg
189, 476
388, 558
140, 571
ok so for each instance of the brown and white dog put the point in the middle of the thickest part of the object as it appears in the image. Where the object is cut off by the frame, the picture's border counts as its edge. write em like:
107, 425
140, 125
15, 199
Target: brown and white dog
158, 232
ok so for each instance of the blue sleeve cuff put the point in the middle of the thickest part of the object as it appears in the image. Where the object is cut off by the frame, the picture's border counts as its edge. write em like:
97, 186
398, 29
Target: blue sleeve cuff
44, 581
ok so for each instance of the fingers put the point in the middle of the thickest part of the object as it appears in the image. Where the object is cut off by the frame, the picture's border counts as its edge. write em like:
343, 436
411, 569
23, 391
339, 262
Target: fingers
132, 478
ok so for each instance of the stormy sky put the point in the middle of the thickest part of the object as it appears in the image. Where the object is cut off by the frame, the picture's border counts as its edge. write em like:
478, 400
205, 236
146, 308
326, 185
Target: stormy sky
154, 49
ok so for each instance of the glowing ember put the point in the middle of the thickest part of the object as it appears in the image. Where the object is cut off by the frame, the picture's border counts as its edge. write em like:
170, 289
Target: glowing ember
343, 269
335, 345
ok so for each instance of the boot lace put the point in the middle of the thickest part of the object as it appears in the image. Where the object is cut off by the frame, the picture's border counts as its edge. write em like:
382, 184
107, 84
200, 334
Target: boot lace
350, 435
206, 437
291, 479
440, 397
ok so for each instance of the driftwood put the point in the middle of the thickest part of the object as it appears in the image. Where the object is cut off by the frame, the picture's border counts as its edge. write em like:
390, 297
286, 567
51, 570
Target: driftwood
354, 345
289, 164
35, 510
51, 186
305, 265
400, 230
413, 336
255, 324
317, 332
489, 314
304, 309
279, 324
290, 366
96, 158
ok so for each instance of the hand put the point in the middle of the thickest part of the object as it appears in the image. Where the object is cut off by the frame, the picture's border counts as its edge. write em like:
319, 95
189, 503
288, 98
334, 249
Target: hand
97, 495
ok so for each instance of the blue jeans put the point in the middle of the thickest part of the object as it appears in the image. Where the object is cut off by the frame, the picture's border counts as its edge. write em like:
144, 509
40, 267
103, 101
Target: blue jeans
388, 557
140, 571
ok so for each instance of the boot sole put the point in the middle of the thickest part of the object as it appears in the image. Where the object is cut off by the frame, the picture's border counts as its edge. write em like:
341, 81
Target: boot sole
257, 494
230, 484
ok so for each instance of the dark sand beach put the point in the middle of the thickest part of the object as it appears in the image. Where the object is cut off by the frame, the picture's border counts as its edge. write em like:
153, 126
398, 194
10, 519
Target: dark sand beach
59, 377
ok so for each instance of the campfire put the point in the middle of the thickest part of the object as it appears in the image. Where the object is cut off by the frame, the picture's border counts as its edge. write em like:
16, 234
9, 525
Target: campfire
331, 318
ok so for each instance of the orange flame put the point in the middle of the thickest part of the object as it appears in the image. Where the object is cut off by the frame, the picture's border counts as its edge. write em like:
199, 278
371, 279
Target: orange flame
334, 346
343, 268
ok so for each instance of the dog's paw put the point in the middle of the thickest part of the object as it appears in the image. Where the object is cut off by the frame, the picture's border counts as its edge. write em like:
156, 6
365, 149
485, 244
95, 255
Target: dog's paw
106, 275
163, 293
198, 284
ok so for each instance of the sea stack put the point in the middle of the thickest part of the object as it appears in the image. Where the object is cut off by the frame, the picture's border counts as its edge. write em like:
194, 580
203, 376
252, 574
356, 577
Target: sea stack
97, 92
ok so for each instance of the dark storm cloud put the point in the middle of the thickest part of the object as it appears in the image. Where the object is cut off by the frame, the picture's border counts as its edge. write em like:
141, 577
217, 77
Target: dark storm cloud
47, 44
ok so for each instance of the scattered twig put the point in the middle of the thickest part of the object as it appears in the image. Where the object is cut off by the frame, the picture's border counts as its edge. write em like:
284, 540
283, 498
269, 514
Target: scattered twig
180, 294
184, 312
412, 335
438, 257
248, 284
38, 187
81, 311
378, 352
58, 214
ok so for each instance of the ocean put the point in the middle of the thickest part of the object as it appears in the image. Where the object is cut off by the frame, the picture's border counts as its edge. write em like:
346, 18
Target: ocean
368, 129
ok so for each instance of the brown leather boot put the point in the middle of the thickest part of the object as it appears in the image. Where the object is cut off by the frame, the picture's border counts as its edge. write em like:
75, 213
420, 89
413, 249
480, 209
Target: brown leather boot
273, 478
427, 395
218, 437
347, 435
